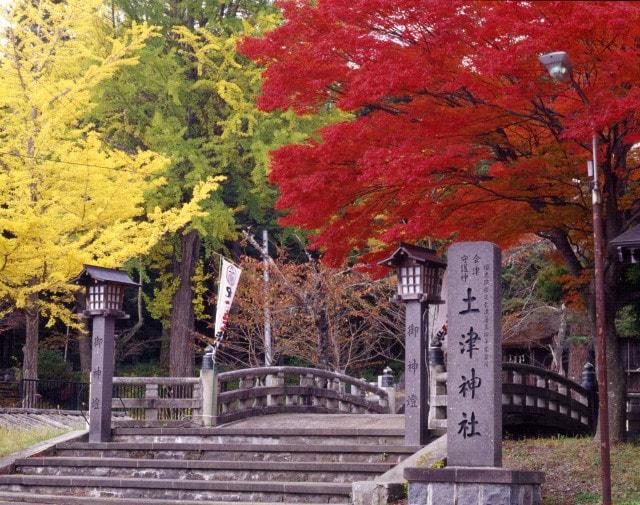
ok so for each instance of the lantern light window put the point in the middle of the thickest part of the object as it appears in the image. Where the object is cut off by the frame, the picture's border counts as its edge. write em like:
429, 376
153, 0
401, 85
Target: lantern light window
420, 272
105, 288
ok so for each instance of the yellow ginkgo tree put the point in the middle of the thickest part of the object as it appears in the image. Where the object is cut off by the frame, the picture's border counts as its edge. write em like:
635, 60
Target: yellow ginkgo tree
67, 196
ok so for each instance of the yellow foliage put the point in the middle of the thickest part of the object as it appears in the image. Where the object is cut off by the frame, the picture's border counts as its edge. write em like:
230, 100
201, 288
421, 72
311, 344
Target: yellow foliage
68, 197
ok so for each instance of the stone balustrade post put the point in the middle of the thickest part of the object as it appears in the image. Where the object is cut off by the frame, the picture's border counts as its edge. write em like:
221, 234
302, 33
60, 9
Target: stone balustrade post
387, 383
437, 391
208, 389
151, 394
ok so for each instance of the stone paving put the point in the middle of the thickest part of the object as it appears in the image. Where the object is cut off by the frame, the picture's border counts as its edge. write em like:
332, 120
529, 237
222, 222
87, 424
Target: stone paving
311, 421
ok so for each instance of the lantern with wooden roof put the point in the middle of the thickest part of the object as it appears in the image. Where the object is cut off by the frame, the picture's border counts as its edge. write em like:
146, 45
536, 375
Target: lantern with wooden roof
105, 290
420, 273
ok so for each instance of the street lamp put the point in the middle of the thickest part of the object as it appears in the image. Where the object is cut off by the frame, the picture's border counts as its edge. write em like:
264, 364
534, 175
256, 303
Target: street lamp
559, 67
420, 272
105, 295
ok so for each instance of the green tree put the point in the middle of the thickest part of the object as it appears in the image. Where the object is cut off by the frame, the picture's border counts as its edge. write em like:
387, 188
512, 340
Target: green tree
192, 98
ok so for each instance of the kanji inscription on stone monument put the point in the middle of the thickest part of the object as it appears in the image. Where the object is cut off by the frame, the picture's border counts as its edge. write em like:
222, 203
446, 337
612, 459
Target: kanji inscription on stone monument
101, 379
474, 361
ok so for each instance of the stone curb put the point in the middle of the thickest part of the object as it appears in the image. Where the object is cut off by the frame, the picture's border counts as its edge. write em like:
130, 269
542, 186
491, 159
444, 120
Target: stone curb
374, 432
14, 410
224, 447
202, 464
14, 498
314, 488
6, 463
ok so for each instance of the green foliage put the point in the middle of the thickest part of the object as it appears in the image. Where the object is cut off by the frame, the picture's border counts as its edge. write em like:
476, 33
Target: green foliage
144, 369
587, 497
192, 98
549, 288
532, 276
52, 366
628, 321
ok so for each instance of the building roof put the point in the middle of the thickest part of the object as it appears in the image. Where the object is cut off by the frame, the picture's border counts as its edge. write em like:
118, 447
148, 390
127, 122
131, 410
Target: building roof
91, 272
414, 252
630, 238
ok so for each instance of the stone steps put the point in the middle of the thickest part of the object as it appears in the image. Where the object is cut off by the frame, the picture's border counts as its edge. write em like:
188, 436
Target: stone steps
22, 499
239, 465
254, 491
232, 435
239, 452
201, 469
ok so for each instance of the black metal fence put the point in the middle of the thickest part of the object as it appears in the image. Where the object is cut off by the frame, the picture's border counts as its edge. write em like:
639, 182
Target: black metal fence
53, 394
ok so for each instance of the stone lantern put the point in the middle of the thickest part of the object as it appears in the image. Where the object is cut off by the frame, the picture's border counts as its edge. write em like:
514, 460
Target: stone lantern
420, 273
104, 296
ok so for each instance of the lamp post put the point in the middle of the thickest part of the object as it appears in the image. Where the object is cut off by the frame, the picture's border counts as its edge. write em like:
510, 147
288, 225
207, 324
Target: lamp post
559, 67
105, 295
420, 272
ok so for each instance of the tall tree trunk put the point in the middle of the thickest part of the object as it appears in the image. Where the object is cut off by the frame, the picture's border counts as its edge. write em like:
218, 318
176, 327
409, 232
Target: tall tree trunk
30, 349
559, 343
165, 346
322, 327
182, 318
84, 349
616, 382
84, 341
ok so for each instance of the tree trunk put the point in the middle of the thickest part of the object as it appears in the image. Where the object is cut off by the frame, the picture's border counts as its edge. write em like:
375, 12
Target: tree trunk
84, 349
616, 383
322, 327
165, 346
182, 318
30, 349
559, 342
84, 341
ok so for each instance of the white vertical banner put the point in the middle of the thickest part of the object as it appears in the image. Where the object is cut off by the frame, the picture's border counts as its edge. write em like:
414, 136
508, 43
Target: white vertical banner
229, 278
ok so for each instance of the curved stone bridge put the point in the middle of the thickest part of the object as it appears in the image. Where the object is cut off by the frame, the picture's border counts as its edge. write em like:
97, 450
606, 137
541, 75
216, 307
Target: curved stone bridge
532, 397
287, 389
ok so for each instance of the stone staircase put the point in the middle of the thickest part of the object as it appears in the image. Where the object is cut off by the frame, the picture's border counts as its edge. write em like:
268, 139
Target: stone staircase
221, 466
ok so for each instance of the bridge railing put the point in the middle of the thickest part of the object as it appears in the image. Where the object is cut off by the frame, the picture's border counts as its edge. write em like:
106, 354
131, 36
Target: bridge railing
270, 390
153, 401
532, 395
156, 400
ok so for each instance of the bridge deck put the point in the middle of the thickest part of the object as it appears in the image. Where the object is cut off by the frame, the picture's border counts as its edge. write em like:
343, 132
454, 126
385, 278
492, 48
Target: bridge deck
319, 421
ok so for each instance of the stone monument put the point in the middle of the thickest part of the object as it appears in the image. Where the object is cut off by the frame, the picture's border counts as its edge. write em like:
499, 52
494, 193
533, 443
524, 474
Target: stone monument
474, 355
473, 475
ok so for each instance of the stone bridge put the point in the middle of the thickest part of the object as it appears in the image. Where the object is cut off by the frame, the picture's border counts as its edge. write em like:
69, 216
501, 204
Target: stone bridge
531, 397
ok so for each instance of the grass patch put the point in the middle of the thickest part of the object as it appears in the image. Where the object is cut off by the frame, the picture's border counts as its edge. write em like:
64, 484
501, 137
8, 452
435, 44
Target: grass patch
13, 440
572, 469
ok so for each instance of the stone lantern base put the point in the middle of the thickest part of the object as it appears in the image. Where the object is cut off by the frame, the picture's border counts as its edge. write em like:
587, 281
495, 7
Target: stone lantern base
473, 486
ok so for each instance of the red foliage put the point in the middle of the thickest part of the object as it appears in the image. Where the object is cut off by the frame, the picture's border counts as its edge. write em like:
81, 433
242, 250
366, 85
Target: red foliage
457, 128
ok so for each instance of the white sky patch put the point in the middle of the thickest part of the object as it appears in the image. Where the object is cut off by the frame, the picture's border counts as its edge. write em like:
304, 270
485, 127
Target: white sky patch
4, 4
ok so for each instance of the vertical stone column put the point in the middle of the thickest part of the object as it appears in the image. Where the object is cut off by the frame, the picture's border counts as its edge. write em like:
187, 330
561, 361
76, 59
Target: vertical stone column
102, 362
416, 404
207, 388
474, 364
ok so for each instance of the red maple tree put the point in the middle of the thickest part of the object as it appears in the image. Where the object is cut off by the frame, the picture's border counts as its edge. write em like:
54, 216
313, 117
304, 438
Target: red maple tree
457, 131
